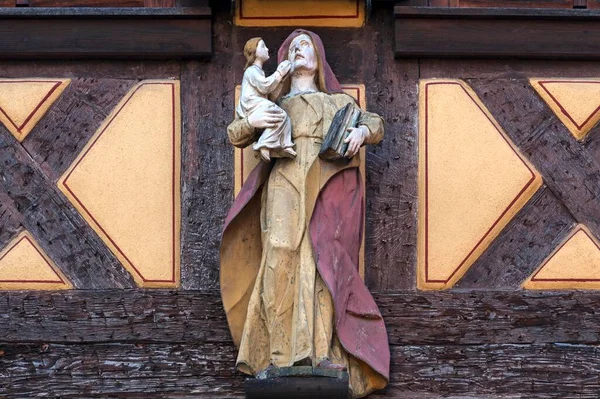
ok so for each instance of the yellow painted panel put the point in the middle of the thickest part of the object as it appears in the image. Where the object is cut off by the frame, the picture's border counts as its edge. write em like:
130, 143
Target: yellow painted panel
574, 264
576, 102
126, 182
333, 13
23, 102
25, 266
472, 181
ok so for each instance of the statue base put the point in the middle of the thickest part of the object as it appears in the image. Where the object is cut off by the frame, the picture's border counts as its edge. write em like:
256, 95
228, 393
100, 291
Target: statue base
297, 383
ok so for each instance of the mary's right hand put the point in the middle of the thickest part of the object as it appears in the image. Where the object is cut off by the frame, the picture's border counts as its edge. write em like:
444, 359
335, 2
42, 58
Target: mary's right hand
264, 118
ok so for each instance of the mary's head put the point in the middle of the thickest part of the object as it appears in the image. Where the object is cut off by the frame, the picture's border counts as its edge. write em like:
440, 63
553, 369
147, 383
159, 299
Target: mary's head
304, 49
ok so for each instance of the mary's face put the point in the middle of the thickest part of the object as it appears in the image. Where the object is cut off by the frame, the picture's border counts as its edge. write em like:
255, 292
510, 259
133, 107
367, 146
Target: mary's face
302, 54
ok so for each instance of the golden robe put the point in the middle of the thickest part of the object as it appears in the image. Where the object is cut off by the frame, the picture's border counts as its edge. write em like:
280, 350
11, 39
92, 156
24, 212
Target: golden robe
286, 315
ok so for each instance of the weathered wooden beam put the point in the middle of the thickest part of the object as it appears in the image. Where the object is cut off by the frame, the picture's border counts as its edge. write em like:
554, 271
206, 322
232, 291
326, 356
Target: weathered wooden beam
56, 225
436, 318
86, 3
497, 32
207, 370
143, 33
570, 171
522, 245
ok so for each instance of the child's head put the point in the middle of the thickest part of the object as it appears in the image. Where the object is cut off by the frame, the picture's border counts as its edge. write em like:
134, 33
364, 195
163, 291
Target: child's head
250, 50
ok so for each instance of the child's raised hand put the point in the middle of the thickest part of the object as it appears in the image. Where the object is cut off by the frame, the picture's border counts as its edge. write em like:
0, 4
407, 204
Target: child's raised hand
284, 67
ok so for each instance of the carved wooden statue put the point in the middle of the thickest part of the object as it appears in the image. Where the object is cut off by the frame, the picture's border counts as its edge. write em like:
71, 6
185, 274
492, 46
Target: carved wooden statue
276, 140
290, 249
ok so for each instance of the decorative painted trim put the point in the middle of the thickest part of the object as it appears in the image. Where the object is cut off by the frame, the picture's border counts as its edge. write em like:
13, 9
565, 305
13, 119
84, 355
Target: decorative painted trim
38, 112
578, 130
536, 283
423, 280
63, 185
299, 16
60, 283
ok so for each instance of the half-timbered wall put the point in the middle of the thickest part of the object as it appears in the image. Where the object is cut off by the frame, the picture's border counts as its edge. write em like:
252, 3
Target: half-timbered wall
510, 313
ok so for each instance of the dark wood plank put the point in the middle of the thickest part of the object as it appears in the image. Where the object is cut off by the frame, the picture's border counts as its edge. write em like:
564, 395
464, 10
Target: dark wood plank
493, 371
120, 370
159, 3
591, 4
207, 169
150, 33
113, 69
86, 3
497, 32
505, 69
55, 224
201, 370
592, 142
431, 318
569, 171
521, 247
57, 139
10, 219
567, 4
391, 189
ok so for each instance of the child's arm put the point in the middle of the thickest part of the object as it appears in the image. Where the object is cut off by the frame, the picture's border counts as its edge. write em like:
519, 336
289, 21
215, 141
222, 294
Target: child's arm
265, 85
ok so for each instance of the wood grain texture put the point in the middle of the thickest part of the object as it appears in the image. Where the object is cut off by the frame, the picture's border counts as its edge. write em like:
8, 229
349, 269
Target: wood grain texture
493, 371
120, 370
42, 33
505, 69
10, 219
207, 170
391, 190
517, 3
496, 32
67, 127
176, 344
569, 171
88, 69
159, 3
86, 3
55, 224
192, 317
206, 370
521, 247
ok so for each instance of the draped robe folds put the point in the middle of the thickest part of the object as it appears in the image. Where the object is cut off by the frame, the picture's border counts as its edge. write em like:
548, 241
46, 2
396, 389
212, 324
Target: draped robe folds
289, 255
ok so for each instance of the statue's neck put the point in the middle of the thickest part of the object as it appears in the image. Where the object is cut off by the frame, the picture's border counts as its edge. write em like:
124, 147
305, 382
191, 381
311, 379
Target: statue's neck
302, 82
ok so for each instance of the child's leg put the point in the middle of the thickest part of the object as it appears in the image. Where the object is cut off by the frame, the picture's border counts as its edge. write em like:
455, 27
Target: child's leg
265, 154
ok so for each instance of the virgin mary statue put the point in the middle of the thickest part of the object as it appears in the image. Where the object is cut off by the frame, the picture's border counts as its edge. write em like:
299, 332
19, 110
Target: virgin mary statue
290, 247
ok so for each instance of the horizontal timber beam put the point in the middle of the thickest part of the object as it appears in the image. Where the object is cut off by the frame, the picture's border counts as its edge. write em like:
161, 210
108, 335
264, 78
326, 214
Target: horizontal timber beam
207, 371
497, 33
422, 318
107, 33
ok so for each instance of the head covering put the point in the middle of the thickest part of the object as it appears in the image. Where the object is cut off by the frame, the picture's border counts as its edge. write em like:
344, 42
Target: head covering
327, 82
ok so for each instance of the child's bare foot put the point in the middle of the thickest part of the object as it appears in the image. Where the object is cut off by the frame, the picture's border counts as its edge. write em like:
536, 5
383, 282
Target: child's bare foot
265, 154
289, 153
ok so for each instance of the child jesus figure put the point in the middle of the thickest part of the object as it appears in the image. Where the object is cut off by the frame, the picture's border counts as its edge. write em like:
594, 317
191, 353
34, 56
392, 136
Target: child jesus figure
274, 142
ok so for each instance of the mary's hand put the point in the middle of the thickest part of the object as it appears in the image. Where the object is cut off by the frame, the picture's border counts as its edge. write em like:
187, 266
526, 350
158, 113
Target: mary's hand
355, 139
264, 118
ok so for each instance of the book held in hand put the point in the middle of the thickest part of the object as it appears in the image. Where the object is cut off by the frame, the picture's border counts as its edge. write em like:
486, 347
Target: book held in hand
333, 147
